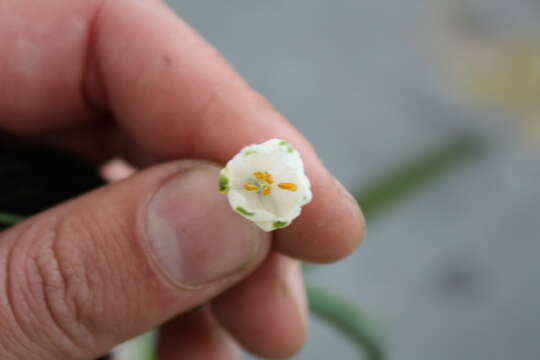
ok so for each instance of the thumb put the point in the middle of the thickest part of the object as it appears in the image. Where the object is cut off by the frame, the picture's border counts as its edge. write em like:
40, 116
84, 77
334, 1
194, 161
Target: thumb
82, 277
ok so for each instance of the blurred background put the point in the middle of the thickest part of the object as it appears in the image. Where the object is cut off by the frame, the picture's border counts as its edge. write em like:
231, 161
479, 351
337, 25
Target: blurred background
451, 270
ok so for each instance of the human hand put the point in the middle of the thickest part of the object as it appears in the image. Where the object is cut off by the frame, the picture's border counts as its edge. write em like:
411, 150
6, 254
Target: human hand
107, 78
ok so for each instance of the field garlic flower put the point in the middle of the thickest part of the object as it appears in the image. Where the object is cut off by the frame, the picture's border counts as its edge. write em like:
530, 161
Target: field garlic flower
266, 184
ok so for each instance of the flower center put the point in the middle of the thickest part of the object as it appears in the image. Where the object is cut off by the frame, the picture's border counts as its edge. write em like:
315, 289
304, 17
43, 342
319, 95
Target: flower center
262, 183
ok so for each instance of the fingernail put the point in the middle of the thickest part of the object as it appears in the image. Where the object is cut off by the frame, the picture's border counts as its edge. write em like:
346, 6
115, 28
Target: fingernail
194, 236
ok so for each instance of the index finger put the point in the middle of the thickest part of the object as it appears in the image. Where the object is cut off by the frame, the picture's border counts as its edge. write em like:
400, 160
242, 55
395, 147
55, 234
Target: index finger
177, 97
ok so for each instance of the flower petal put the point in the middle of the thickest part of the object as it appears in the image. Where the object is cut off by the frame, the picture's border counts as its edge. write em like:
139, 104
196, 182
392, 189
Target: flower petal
275, 207
249, 205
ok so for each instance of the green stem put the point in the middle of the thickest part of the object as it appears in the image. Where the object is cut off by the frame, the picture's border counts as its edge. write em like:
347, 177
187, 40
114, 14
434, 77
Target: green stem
412, 175
349, 319
7, 219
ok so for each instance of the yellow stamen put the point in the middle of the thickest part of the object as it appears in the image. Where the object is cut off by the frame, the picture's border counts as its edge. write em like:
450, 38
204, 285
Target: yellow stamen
288, 186
264, 176
264, 182
251, 187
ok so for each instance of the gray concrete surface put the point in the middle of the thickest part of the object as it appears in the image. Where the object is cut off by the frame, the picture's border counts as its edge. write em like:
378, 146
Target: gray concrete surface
451, 273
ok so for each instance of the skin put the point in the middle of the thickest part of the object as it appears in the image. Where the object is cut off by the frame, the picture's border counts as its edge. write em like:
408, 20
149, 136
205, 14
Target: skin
128, 78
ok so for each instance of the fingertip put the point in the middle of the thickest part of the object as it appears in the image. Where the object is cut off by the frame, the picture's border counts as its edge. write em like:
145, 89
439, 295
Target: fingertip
196, 336
267, 313
330, 228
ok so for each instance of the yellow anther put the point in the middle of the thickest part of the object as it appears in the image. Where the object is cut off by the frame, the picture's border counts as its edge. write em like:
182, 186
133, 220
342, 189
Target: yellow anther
264, 182
268, 178
259, 175
288, 186
264, 176
251, 187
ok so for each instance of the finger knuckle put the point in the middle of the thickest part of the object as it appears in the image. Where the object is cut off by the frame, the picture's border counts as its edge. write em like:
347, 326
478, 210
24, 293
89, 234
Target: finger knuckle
55, 287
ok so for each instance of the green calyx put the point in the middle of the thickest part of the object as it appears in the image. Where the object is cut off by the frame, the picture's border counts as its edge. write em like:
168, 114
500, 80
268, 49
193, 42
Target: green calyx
223, 183
244, 212
290, 149
279, 224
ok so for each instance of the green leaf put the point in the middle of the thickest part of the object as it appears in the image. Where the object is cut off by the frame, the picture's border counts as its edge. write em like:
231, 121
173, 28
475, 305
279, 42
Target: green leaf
349, 319
7, 219
396, 184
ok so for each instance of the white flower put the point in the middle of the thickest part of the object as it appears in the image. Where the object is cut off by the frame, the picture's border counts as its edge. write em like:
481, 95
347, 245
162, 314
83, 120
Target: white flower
266, 184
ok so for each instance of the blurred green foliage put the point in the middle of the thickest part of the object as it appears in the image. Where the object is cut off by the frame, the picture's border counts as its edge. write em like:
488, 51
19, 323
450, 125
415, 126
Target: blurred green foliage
388, 189
376, 197
348, 318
